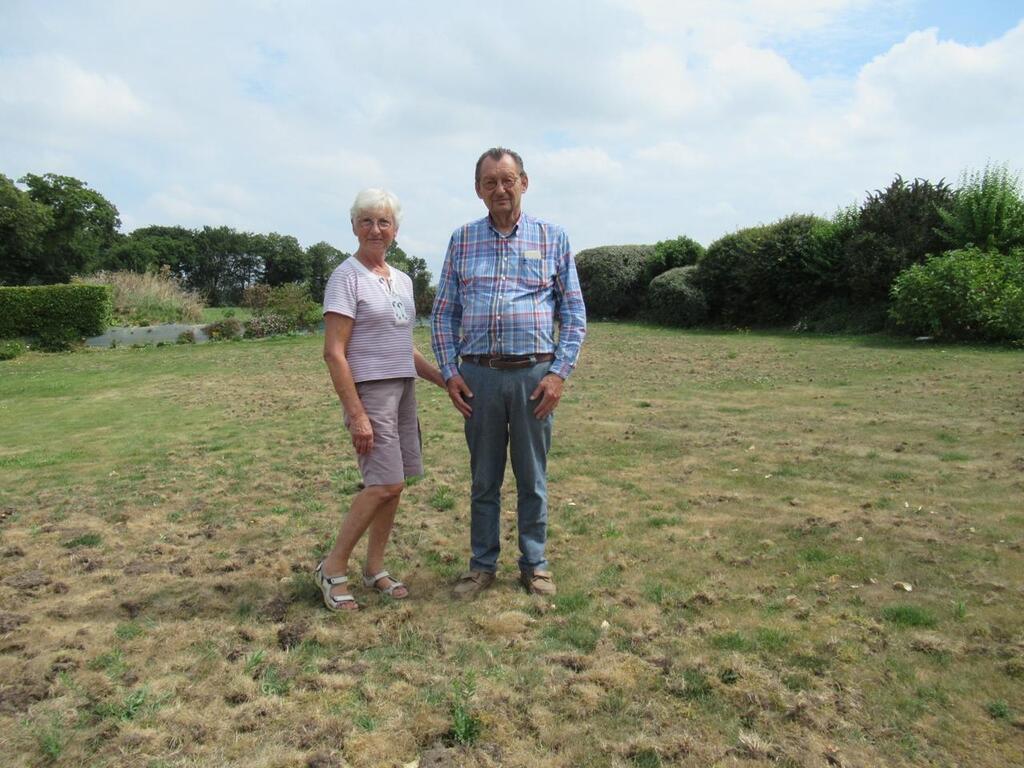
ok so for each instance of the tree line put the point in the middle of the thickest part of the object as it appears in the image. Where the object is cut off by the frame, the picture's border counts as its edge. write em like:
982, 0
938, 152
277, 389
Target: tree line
57, 227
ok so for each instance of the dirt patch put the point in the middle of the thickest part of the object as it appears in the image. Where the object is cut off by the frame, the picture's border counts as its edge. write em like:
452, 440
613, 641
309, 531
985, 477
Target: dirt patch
27, 580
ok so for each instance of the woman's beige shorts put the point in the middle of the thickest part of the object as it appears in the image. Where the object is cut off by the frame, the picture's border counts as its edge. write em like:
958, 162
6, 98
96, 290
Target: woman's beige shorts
390, 405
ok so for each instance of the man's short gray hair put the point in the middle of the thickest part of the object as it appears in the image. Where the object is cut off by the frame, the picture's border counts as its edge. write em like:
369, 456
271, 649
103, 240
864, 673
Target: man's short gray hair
496, 153
372, 198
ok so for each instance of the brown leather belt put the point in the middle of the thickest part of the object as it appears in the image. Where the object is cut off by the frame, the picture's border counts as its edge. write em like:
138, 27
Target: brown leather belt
503, 362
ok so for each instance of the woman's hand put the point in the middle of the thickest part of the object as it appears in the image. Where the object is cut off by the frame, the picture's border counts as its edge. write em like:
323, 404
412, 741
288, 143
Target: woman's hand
362, 433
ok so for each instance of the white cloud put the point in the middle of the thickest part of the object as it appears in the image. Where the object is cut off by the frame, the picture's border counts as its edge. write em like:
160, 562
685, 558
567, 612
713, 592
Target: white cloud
55, 88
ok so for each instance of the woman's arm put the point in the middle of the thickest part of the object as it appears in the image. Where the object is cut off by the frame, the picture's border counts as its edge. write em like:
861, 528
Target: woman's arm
337, 332
425, 370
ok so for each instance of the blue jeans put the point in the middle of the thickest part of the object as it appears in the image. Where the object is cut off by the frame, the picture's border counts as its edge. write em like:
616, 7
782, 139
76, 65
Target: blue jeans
502, 424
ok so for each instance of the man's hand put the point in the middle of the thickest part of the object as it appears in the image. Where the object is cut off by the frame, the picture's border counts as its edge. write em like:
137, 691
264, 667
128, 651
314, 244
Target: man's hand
362, 433
458, 391
549, 390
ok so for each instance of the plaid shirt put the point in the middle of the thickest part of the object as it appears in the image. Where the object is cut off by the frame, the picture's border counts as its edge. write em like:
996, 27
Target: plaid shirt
505, 293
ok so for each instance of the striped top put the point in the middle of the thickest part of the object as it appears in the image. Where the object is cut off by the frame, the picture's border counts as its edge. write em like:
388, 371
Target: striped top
381, 342
503, 295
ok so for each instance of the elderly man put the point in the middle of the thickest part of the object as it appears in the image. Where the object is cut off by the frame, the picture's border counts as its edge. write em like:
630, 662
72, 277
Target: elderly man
507, 279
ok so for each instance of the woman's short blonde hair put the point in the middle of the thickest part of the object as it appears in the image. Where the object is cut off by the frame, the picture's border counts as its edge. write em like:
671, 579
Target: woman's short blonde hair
373, 198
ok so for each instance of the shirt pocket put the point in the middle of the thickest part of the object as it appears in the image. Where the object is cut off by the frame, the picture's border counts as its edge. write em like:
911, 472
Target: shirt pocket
532, 272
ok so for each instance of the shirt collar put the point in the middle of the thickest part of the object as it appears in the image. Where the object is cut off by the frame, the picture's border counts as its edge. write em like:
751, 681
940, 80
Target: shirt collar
515, 229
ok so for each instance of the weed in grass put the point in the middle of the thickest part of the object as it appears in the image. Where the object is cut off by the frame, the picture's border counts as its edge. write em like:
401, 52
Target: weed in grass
466, 726
51, 737
575, 632
364, 721
659, 521
730, 641
797, 681
85, 540
111, 662
646, 758
570, 602
128, 630
954, 456
960, 610
906, 615
769, 640
696, 686
609, 577
254, 660
444, 564
611, 531
443, 498
245, 610
137, 704
814, 555
729, 675
273, 683
998, 710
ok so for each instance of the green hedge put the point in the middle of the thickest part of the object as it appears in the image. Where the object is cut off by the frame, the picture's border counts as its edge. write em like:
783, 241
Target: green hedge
675, 300
611, 278
965, 294
55, 312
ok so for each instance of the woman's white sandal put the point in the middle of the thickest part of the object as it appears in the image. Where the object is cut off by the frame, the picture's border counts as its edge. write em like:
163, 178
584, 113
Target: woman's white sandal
325, 582
371, 581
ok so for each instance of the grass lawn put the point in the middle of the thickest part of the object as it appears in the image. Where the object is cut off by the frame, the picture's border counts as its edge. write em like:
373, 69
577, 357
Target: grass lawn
213, 314
732, 520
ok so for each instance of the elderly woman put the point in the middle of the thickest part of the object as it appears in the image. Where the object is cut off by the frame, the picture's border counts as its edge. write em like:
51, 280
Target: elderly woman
368, 320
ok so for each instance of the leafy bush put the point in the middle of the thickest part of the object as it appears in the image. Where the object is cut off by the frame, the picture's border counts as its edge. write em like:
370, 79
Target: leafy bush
148, 298
761, 275
669, 254
56, 314
293, 302
964, 294
673, 298
11, 349
228, 329
256, 296
611, 278
896, 228
987, 211
266, 324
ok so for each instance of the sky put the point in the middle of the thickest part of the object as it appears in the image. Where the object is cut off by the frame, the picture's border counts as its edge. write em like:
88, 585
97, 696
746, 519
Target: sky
638, 120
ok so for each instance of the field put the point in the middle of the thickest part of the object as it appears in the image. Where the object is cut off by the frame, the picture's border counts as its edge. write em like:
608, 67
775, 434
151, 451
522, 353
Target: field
769, 549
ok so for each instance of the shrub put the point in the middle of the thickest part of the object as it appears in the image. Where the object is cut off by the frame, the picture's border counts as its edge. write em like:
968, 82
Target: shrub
611, 278
673, 298
228, 329
897, 228
11, 349
987, 211
256, 296
56, 314
186, 337
761, 275
964, 294
293, 302
148, 298
717, 272
266, 324
669, 254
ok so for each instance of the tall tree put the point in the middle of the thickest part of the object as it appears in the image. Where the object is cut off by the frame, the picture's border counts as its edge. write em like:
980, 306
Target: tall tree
284, 261
84, 225
23, 225
321, 259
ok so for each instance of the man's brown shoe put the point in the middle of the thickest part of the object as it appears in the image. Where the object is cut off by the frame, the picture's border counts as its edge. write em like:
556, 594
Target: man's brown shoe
538, 582
471, 584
